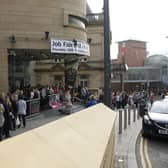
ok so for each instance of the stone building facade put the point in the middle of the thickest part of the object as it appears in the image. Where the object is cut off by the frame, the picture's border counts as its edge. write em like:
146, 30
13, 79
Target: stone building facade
91, 68
27, 26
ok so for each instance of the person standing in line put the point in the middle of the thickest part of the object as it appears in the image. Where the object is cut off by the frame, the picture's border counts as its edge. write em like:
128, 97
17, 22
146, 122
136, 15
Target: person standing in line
10, 108
6, 126
14, 99
22, 110
92, 101
2, 120
67, 98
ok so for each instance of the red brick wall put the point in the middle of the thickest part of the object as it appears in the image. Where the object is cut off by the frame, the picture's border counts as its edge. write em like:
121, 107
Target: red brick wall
134, 52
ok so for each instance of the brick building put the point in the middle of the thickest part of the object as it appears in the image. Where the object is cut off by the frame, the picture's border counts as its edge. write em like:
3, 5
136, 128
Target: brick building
133, 52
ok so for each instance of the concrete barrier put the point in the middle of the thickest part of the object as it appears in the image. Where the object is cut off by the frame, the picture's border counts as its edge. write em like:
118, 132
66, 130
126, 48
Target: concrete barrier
81, 140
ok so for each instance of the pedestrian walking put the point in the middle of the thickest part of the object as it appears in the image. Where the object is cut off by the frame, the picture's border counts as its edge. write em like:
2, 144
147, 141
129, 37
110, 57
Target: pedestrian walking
21, 104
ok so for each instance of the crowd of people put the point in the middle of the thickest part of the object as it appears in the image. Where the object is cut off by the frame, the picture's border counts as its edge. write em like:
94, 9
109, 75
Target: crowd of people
13, 106
121, 99
12, 113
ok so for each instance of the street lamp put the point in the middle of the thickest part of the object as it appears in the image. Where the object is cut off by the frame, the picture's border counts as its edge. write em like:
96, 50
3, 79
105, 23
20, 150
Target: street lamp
107, 62
123, 69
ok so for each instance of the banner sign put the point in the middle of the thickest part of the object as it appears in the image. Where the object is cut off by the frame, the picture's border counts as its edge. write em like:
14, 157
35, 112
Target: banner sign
69, 47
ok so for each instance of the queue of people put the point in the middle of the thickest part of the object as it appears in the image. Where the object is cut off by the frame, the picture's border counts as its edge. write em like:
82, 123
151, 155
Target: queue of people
12, 113
121, 99
13, 107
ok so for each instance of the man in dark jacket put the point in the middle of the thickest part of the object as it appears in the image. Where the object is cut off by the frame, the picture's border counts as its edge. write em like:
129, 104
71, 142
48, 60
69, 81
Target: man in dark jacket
92, 101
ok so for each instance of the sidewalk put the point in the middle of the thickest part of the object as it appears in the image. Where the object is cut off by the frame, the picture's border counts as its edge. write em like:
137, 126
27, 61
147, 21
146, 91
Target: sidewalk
44, 117
125, 144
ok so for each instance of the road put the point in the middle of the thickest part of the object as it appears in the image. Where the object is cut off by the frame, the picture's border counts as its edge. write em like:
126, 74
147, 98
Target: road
158, 152
152, 152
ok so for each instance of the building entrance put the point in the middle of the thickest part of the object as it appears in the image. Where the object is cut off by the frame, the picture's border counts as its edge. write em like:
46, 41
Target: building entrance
21, 64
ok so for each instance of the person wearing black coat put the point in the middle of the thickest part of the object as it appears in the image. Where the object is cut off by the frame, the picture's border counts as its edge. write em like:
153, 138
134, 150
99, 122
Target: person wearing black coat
14, 110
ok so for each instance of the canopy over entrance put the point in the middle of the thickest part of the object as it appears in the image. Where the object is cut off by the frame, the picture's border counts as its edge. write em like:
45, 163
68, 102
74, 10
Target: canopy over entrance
33, 54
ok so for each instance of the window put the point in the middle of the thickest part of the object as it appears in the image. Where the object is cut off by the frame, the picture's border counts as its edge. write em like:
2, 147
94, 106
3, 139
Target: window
38, 77
83, 81
76, 21
19, 67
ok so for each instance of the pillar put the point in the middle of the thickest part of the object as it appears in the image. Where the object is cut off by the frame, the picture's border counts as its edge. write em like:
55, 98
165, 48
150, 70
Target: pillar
3, 70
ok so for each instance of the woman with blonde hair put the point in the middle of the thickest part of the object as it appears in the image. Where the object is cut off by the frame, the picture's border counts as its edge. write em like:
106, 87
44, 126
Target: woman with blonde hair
6, 126
92, 101
2, 120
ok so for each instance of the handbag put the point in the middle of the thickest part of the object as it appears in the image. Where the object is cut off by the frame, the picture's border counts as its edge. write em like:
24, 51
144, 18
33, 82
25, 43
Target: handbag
17, 121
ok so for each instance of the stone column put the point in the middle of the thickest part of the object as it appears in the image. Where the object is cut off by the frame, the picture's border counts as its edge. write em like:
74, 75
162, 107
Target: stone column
3, 70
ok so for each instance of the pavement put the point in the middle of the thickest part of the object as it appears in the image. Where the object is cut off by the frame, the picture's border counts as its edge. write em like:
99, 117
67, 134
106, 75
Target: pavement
125, 142
44, 117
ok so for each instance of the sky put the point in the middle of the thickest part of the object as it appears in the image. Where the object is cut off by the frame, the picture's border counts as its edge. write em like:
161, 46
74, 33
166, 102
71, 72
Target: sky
145, 20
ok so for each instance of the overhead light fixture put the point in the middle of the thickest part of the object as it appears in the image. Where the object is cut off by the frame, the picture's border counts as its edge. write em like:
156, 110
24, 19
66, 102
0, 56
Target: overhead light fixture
12, 39
89, 40
46, 35
12, 53
74, 42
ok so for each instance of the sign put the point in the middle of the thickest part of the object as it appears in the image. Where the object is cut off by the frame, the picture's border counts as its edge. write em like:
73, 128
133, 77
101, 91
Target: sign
69, 47
123, 49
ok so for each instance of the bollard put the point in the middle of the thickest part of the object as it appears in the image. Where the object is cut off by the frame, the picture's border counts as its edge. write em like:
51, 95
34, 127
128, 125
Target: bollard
134, 113
129, 115
120, 121
125, 117
138, 111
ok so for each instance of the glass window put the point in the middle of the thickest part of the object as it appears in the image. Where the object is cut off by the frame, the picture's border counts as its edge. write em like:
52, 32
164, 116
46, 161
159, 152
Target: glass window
84, 81
159, 107
75, 21
19, 67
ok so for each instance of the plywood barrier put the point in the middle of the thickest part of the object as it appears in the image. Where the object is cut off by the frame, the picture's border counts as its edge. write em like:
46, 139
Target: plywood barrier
81, 140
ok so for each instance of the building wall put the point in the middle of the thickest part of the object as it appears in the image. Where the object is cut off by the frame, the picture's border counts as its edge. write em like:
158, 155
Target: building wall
132, 52
93, 68
3, 70
95, 32
29, 20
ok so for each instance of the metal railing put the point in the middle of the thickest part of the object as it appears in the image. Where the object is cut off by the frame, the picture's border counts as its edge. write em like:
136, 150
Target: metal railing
96, 17
33, 107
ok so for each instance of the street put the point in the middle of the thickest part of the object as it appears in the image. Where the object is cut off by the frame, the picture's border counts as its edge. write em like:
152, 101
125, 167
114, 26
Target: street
158, 152
152, 152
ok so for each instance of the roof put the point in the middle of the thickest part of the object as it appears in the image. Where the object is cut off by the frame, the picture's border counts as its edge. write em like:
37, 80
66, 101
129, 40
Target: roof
157, 60
131, 40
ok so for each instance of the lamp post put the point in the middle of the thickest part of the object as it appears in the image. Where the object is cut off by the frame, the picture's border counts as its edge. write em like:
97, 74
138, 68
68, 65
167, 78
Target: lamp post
107, 62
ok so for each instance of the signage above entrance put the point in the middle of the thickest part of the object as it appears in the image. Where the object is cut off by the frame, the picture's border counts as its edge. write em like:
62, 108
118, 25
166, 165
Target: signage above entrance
69, 47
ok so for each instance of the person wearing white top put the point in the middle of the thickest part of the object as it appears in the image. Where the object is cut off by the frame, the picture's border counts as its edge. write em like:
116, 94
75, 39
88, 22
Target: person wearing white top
22, 106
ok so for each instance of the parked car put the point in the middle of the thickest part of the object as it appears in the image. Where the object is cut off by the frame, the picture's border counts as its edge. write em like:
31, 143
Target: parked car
155, 120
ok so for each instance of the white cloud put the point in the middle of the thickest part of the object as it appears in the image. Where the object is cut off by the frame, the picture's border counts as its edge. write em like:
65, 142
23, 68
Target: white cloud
145, 20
